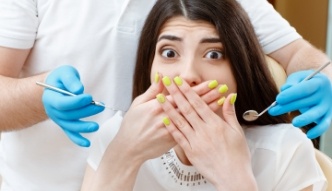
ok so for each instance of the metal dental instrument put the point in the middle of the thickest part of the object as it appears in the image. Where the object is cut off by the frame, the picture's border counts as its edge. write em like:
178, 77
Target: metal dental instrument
252, 115
98, 103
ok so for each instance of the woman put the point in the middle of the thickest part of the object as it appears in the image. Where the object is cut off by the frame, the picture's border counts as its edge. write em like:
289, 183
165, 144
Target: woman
198, 42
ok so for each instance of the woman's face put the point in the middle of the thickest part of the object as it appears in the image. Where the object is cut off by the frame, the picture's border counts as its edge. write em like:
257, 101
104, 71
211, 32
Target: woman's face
193, 51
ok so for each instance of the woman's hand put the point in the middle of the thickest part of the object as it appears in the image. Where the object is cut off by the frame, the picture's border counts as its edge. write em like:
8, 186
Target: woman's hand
142, 136
142, 131
215, 145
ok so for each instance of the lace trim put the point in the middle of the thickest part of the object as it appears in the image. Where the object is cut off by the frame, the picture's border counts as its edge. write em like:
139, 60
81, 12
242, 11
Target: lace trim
179, 175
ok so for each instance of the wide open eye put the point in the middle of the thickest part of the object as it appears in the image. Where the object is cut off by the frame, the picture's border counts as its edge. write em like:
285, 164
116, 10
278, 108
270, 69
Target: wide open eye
214, 54
168, 53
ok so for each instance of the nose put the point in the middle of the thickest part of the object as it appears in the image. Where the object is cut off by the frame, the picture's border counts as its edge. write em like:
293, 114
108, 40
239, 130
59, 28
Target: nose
191, 74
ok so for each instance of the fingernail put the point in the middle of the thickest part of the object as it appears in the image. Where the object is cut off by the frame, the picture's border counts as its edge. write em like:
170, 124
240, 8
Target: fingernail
166, 121
233, 99
166, 81
221, 101
156, 77
223, 89
161, 98
213, 84
178, 80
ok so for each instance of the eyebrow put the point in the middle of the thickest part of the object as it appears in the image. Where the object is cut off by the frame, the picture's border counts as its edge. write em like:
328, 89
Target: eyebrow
170, 37
175, 38
210, 40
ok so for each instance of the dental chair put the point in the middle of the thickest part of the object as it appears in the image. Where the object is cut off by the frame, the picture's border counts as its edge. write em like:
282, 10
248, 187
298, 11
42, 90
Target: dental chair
323, 160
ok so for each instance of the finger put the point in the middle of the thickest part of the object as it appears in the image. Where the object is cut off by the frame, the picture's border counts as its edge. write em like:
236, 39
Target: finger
155, 88
320, 128
183, 104
214, 106
205, 87
310, 116
197, 109
67, 78
78, 126
228, 111
77, 113
304, 109
214, 95
209, 94
178, 120
300, 104
177, 135
202, 88
295, 78
78, 139
72, 83
209, 91
63, 102
297, 92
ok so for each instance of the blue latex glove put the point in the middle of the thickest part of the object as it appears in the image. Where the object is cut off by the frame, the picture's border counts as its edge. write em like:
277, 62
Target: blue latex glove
66, 111
313, 98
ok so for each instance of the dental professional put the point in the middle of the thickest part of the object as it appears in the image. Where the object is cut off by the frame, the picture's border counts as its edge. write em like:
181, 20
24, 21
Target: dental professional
89, 49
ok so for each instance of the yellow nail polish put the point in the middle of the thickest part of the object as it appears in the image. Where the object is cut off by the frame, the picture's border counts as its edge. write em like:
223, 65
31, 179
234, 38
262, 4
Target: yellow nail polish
223, 89
178, 80
233, 99
161, 98
213, 84
166, 121
156, 77
221, 101
167, 81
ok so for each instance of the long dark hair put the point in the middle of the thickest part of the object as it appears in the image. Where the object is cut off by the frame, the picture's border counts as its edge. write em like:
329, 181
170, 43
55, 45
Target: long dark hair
256, 88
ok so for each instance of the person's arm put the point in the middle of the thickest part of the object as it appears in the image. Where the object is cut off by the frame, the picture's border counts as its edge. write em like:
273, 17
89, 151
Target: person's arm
117, 171
139, 138
314, 103
280, 41
20, 103
301, 55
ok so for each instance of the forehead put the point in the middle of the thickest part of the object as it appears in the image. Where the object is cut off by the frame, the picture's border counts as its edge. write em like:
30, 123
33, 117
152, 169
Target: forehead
182, 24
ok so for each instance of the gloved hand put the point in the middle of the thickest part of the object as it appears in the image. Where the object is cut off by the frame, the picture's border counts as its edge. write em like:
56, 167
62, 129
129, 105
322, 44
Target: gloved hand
66, 111
313, 98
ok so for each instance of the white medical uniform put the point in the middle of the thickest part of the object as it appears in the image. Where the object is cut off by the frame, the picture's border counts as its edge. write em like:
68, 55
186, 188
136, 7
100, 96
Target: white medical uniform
99, 38
283, 159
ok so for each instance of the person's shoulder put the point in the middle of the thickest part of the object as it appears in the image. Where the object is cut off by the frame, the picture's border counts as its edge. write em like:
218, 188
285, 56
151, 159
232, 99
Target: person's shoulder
272, 137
